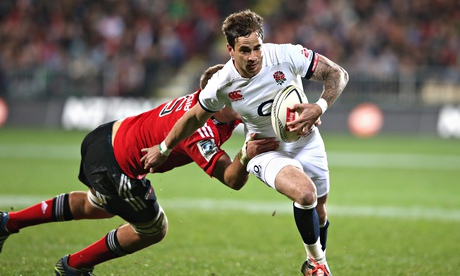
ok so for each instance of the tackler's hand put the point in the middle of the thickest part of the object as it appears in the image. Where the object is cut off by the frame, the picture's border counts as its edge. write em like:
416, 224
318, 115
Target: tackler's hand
256, 146
152, 158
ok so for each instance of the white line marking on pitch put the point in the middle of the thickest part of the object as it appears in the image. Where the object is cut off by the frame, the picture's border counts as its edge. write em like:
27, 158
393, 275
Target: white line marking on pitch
264, 207
337, 159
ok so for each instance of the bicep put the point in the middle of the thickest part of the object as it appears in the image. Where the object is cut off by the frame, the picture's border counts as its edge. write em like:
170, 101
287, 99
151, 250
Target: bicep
324, 68
335, 78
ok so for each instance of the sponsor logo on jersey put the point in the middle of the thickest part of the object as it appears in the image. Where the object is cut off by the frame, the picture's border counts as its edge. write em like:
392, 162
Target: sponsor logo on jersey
235, 96
257, 171
207, 148
306, 53
279, 77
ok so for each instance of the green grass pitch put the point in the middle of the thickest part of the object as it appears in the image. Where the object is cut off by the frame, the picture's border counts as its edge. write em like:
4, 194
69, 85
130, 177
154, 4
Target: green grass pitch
394, 209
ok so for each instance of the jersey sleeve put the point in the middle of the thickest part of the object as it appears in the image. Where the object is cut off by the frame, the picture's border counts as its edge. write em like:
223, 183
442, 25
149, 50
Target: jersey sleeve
203, 149
303, 60
210, 98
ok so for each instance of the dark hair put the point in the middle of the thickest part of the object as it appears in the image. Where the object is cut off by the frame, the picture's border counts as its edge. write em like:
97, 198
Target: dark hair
208, 74
242, 23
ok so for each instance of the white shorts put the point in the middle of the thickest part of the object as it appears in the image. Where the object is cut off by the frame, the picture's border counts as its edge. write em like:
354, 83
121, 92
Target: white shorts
311, 157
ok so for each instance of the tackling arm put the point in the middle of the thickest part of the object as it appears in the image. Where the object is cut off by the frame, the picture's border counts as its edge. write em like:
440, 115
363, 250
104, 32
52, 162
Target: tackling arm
234, 174
184, 127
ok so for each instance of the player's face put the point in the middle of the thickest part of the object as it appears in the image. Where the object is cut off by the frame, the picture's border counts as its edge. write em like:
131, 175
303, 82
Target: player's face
247, 55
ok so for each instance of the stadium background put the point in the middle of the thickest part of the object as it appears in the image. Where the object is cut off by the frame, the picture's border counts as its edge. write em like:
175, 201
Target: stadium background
394, 206
76, 64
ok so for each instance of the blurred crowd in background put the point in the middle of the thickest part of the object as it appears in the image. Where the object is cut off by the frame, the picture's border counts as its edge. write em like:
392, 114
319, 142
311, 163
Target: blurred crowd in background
138, 45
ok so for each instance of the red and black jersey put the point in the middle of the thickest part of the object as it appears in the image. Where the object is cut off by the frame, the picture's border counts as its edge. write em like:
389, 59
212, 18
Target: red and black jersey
150, 128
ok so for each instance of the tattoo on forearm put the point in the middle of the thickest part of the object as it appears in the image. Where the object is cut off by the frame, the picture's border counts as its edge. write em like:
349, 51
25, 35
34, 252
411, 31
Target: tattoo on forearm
335, 79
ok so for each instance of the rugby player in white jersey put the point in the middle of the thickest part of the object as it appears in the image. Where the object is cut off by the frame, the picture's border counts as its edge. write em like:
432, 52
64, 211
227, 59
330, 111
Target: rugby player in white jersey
248, 84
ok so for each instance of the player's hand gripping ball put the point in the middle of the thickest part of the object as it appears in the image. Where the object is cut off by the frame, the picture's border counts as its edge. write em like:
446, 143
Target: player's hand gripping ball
282, 112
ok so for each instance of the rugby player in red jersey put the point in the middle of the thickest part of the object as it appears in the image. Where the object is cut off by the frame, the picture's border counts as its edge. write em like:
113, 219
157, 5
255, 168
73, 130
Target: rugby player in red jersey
112, 169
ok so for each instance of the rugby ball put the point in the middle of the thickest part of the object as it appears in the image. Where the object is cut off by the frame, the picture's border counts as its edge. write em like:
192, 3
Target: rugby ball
282, 112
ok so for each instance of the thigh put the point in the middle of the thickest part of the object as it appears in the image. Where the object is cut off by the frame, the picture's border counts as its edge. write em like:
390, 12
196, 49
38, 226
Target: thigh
266, 166
284, 174
295, 184
313, 158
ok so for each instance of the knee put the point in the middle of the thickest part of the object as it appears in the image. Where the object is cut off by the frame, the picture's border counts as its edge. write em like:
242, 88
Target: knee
295, 184
162, 229
137, 236
154, 230
307, 197
150, 238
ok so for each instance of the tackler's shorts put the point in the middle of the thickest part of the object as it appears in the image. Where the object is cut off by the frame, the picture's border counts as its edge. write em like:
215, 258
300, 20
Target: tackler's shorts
132, 199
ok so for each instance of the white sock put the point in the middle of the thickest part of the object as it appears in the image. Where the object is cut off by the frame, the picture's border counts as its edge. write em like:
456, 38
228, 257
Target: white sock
315, 252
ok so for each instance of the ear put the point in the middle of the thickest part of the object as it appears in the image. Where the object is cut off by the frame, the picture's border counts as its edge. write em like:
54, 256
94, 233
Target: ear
230, 50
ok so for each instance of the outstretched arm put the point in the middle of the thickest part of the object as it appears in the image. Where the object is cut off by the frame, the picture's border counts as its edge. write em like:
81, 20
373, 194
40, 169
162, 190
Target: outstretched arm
234, 174
335, 79
184, 127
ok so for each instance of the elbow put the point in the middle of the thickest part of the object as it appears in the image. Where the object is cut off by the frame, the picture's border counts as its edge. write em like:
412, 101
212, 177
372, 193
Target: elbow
345, 76
341, 76
237, 184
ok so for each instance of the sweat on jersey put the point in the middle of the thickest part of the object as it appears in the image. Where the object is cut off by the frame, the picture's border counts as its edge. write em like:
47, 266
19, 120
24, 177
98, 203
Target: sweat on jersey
150, 128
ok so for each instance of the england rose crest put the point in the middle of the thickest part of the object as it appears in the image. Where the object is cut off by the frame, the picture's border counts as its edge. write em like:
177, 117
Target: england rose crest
279, 77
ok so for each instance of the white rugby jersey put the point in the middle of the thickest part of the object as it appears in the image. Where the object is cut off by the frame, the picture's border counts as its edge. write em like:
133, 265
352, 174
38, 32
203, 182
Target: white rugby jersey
252, 98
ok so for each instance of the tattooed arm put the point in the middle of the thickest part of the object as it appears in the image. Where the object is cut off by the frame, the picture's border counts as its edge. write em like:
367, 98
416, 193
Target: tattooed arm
335, 79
